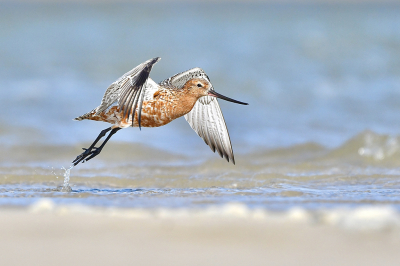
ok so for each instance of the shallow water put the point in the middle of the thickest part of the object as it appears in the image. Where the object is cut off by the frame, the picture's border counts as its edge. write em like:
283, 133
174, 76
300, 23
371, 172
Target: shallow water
308, 176
321, 130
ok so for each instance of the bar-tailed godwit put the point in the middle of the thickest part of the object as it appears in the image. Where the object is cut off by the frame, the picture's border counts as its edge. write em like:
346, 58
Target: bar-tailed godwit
135, 100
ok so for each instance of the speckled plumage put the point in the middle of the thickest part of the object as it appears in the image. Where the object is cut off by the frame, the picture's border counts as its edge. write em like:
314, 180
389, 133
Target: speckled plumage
157, 110
136, 100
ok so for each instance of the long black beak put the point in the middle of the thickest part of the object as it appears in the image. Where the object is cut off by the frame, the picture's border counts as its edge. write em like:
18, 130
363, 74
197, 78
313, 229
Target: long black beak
217, 95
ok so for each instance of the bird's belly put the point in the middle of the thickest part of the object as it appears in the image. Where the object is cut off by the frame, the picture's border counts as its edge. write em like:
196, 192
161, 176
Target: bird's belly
154, 113
150, 117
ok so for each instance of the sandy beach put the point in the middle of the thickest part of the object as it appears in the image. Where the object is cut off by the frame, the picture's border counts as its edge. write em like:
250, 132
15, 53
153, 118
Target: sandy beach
48, 235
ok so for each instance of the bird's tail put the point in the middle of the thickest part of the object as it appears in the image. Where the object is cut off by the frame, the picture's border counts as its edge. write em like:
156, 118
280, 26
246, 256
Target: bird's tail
86, 116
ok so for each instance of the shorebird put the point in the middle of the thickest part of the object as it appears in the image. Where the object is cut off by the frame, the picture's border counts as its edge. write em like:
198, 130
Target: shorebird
135, 100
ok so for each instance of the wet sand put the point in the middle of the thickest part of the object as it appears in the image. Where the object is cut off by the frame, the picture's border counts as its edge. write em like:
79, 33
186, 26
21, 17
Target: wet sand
45, 236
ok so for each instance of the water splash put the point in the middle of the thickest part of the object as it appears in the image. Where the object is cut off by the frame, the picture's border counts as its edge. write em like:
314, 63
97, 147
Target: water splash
66, 187
53, 172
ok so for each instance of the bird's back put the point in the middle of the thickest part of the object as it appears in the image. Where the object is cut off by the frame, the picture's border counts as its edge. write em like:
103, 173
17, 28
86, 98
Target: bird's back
161, 105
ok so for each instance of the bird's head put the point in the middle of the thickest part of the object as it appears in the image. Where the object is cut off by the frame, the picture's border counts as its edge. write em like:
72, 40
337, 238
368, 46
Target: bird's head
199, 87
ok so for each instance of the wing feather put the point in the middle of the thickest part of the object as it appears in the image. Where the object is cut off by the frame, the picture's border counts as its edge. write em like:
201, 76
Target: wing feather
205, 118
129, 90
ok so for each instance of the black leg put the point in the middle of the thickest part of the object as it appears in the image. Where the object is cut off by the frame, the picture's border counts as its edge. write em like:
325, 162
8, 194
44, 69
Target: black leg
102, 134
88, 151
98, 150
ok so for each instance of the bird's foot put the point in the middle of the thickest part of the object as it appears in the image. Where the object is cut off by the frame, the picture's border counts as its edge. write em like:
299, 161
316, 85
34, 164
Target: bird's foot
93, 153
82, 156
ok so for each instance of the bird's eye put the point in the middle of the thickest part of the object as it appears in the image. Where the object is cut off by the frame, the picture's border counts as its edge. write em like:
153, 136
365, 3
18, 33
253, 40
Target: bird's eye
199, 85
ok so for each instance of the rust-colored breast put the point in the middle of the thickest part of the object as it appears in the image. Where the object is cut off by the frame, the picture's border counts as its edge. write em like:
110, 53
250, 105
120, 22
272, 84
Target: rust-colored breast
165, 107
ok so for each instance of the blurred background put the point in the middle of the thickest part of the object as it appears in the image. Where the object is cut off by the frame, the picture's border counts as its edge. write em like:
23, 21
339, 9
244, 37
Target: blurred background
311, 72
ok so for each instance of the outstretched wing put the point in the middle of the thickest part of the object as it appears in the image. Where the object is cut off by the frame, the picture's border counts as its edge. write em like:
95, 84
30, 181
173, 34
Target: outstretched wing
206, 117
129, 90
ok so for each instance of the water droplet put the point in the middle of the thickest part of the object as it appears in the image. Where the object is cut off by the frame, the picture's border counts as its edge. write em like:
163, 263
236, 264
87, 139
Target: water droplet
66, 187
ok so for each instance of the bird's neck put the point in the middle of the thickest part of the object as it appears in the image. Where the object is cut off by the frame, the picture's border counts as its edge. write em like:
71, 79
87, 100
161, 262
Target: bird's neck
185, 105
